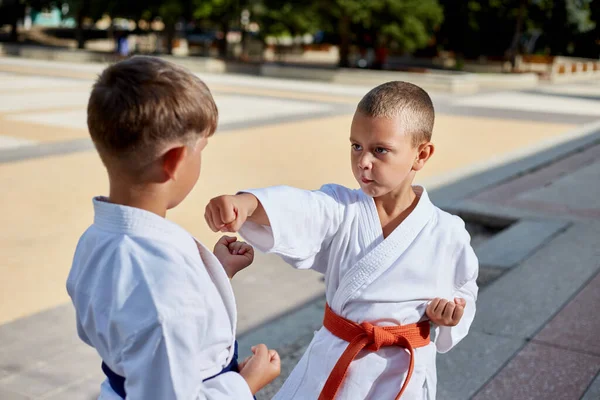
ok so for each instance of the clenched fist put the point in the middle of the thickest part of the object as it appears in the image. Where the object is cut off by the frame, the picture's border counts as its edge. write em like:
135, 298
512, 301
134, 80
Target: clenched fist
228, 213
446, 313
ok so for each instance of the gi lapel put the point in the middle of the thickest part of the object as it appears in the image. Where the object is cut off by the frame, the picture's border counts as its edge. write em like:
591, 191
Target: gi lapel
378, 260
221, 281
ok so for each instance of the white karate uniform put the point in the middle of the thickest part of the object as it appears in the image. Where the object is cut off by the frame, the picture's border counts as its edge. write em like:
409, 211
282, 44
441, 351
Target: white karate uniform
158, 308
390, 281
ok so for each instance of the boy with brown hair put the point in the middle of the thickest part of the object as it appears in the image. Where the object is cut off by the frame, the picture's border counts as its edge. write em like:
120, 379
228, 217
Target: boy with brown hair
157, 305
394, 264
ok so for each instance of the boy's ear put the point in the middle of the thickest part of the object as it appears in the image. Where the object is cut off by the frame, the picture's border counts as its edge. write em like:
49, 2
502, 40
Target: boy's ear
425, 151
172, 161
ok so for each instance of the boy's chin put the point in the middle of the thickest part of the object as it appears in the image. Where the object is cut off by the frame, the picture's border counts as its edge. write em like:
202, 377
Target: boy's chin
371, 190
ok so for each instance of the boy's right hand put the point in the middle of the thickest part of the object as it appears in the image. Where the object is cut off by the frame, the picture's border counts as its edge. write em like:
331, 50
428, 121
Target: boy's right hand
261, 368
228, 213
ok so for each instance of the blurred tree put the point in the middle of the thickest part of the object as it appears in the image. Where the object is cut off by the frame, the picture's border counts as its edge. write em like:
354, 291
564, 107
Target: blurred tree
505, 28
11, 11
574, 17
224, 13
170, 11
407, 23
286, 17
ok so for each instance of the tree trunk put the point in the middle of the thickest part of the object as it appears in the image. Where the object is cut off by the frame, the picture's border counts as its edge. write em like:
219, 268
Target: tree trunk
170, 31
81, 14
344, 32
514, 47
223, 45
15, 11
557, 38
14, 31
461, 46
245, 55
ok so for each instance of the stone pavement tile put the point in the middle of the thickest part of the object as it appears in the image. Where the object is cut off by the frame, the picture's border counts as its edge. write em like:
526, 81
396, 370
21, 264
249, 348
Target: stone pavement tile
26, 331
86, 389
58, 322
593, 392
520, 302
583, 199
8, 395
73, 118
290, 355
65, 369
45, 150
498, 141
543, 372
19, 102
532, 102
50, 203
463, 370
505, 167
57, 71
513, 245
577, 325
34, 384
581, 195
488, 275
540, 178
288, 330
287, 94
277, 283
9, 142
38, 132
257, 111
12, 82
25, 356
489, 211
589, 214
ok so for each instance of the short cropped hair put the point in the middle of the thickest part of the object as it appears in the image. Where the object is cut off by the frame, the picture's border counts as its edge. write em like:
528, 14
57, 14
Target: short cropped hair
141, 104
405, 100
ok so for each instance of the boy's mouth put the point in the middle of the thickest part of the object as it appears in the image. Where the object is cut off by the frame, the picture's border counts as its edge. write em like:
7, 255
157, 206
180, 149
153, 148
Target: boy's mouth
365, 180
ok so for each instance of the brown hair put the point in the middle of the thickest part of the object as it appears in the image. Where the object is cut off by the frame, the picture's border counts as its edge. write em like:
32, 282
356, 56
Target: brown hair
405, 100
140, 104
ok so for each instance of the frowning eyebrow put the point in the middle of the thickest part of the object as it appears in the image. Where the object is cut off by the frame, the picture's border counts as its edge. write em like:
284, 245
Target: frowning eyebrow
386, 145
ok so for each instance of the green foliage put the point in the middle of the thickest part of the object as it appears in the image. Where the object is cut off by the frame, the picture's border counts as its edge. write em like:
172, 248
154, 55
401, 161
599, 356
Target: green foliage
469, 27
286, 17
487, 27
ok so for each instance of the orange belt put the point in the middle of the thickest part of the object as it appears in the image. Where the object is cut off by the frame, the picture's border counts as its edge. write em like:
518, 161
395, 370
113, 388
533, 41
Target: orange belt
369, 337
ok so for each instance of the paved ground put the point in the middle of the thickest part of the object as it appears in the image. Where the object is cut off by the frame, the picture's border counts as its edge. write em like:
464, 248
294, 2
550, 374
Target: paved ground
296, 133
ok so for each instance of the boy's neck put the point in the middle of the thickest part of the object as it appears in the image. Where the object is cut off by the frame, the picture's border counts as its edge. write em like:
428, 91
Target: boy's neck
394, 207
396, 202
144, 197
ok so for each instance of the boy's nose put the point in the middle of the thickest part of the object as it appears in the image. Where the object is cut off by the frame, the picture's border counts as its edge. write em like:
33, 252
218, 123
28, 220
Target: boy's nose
364, 162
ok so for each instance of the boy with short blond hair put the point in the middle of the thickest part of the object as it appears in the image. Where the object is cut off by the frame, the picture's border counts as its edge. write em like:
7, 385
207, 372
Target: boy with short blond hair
394, 264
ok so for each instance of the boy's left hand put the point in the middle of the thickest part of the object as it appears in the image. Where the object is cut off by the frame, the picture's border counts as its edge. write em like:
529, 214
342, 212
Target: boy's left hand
446, 313
234, 255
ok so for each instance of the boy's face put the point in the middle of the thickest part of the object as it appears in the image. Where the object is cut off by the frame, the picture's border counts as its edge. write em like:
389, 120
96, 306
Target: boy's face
382, 155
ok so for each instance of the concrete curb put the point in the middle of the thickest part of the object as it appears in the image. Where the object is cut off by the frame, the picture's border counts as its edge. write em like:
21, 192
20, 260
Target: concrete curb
514, 245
